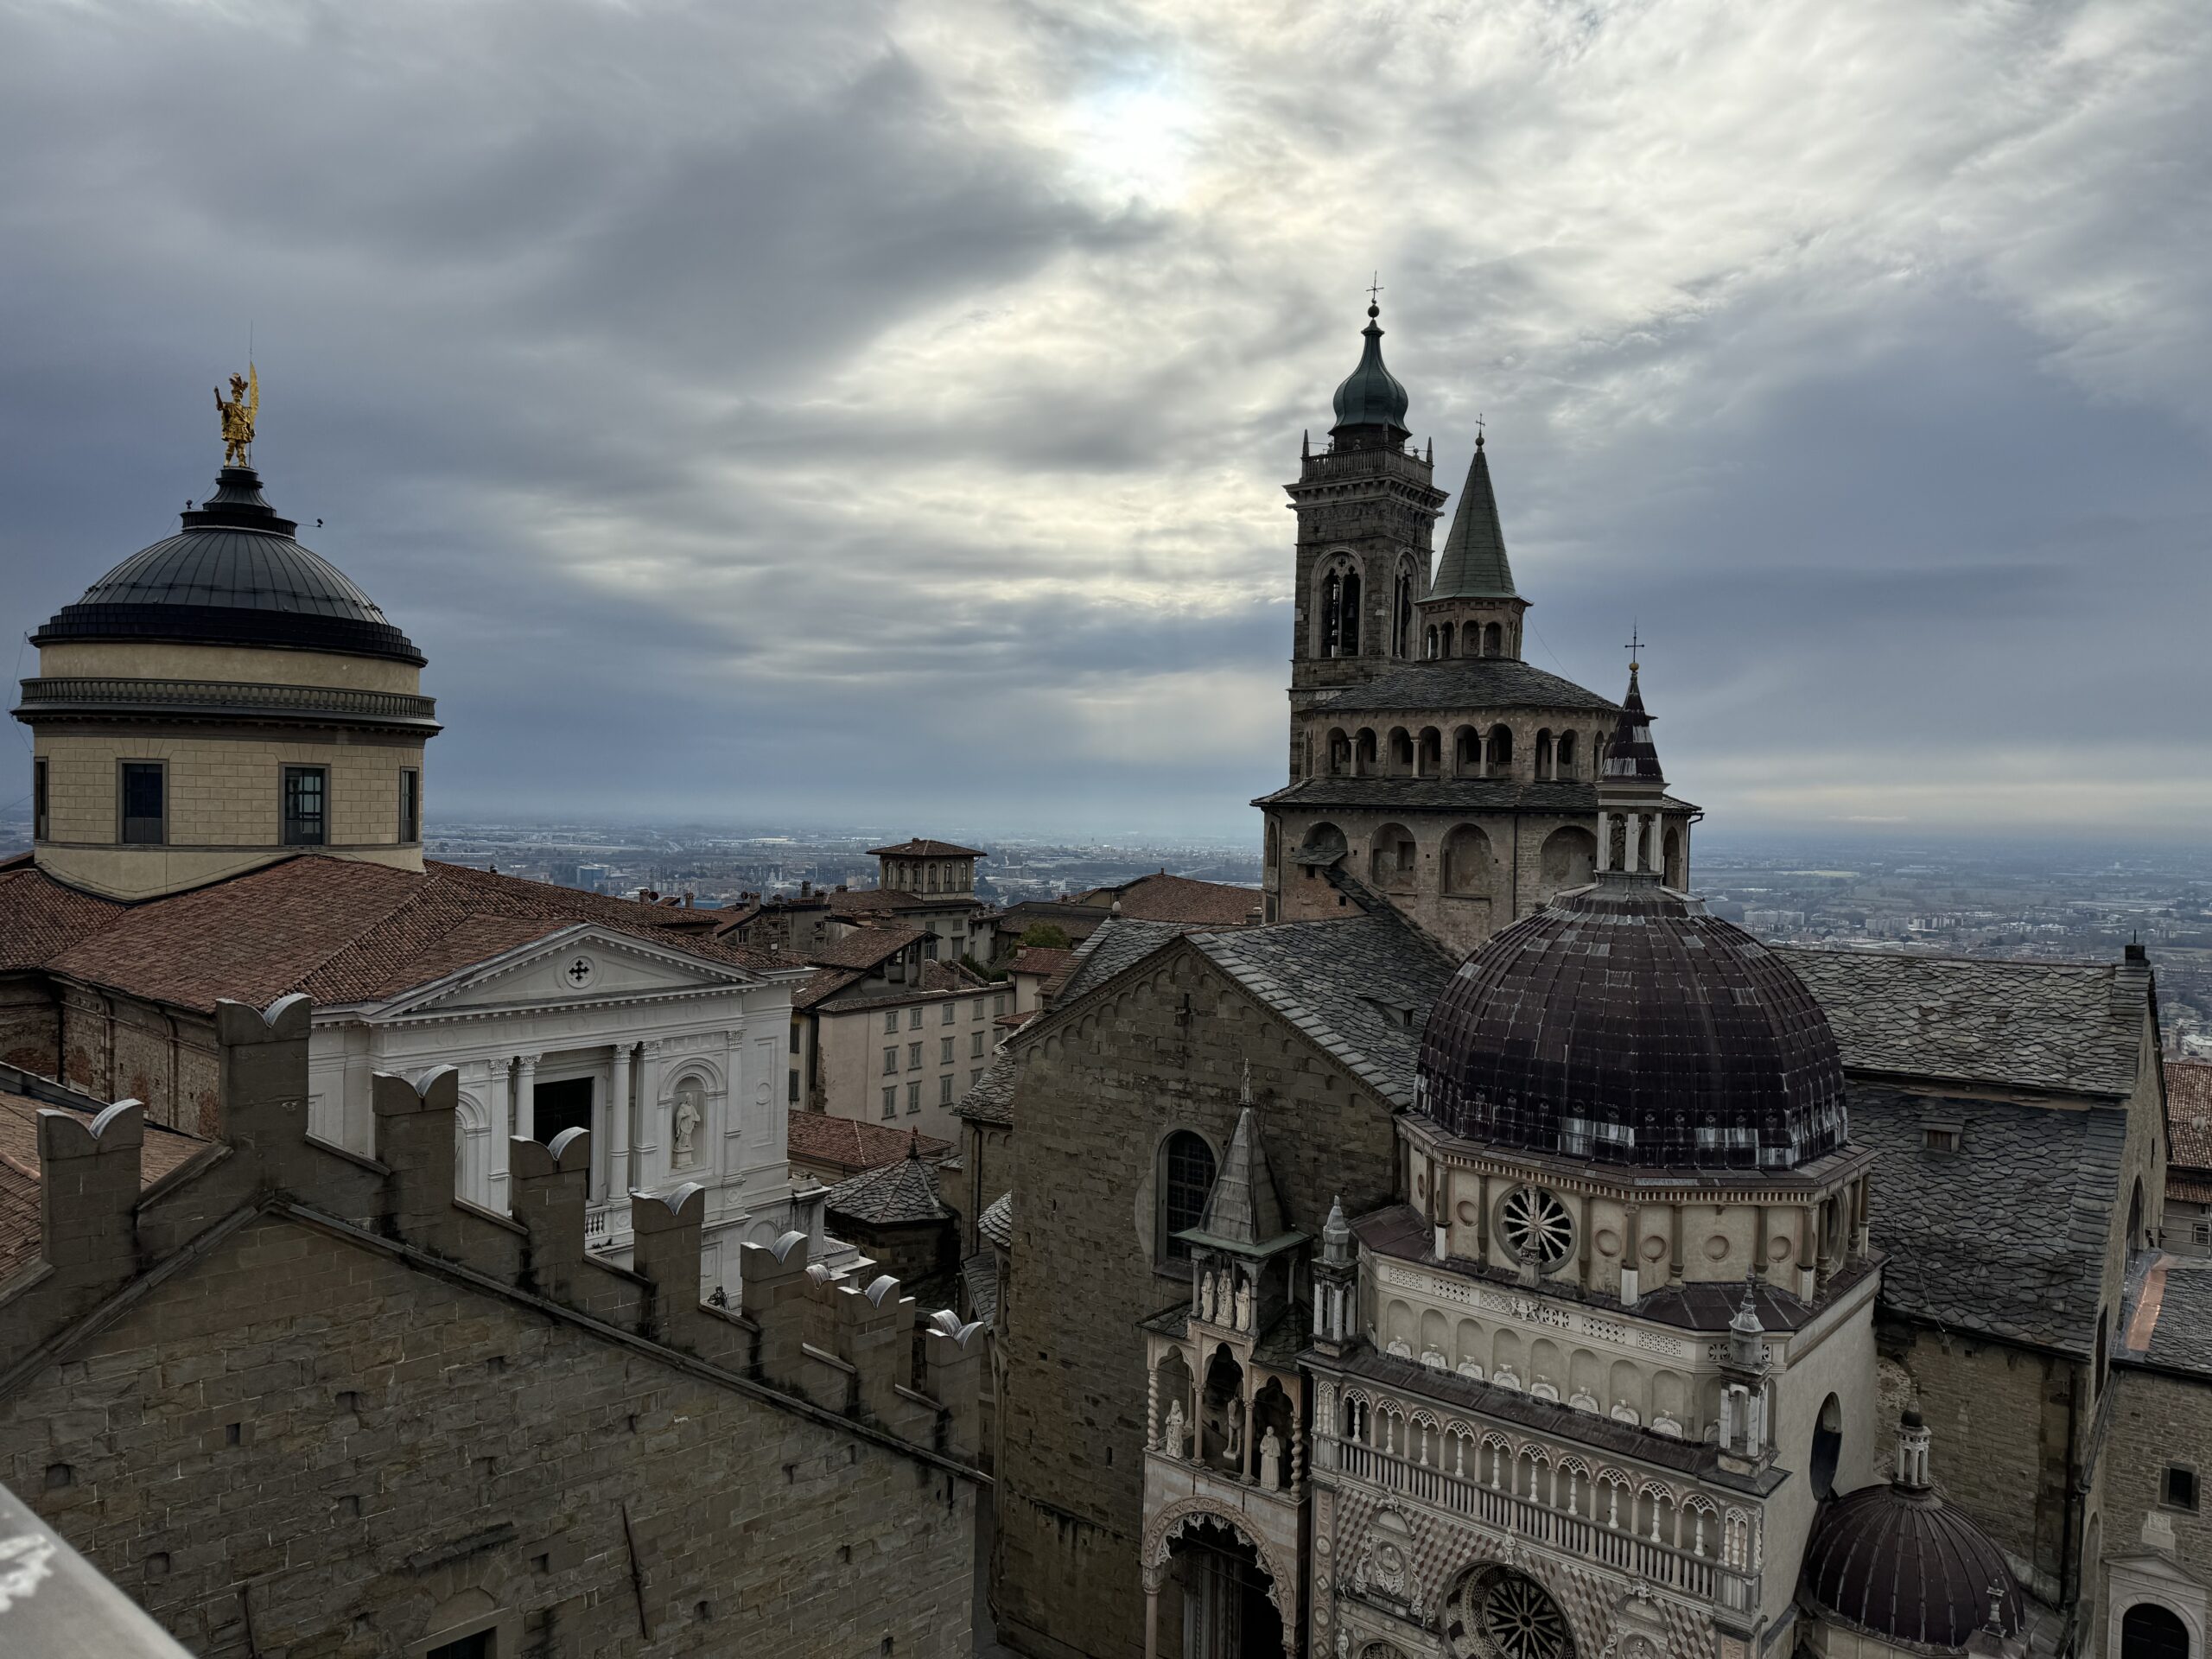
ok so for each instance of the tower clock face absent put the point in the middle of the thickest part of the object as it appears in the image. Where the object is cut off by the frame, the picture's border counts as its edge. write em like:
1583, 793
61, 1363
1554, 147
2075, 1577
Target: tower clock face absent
1536, 1225
1502, 1615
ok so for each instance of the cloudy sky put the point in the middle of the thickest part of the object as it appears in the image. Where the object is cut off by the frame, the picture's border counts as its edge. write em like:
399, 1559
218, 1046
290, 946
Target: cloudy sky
876, 413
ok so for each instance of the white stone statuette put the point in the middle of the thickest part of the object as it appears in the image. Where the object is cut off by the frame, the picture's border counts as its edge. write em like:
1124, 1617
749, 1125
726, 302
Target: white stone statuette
1270, 1461
1244, 1306
688, 1117
1173, 1443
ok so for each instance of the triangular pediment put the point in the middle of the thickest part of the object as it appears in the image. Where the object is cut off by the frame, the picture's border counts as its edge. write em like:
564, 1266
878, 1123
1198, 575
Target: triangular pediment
579, 965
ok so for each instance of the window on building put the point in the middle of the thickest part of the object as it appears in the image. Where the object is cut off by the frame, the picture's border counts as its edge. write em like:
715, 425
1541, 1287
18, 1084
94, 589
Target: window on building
945, 1051
411, 806
891, 1022
890, 1061
38, 808
476, 1645
307, 805
975, 1076
952, 1009
2178, 1488
891, 1101
562, 1104
998, 1003
974, 1008
2200, 1234
1187, 1169
975, 1045
913, 1097
144, 818
914, 1018
944, 1090
790, 1091
1941, 1137
913, 1057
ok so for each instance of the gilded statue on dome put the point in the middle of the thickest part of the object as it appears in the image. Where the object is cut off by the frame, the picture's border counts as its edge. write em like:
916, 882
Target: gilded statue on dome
237, 412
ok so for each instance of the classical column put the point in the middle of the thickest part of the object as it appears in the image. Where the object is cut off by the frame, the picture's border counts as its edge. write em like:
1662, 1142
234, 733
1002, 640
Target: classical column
1154, 1578
526, 1111
1152, 1408
1805, 1237
1604, 840
1674, 1259
618, 1179
650, 1162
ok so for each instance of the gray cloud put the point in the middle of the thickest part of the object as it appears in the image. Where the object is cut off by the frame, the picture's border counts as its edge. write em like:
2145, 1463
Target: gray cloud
879, 412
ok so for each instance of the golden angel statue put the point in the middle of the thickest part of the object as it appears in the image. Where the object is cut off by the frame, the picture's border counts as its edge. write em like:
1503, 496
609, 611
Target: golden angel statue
237, 412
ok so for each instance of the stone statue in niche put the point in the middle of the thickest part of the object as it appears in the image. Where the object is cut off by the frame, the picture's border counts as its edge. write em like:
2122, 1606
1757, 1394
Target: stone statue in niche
1175, 1445
1235, 1451
1243, 1305
1206, 1297
1270, 1461
690, 1113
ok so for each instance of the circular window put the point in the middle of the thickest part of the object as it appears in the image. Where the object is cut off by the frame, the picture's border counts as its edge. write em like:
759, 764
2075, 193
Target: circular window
579, 972
1536, 1226
1502, 1615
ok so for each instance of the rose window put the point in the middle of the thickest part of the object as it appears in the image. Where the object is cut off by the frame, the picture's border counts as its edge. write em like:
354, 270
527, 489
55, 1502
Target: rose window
1499, 1615
1536, 1225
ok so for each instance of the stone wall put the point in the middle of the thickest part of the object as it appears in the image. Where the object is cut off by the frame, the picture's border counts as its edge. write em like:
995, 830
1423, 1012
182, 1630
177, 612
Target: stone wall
2003, 1421
30, 1025
1097, 1097
297, 1400
120, 1048
2155, 1419
304, 1445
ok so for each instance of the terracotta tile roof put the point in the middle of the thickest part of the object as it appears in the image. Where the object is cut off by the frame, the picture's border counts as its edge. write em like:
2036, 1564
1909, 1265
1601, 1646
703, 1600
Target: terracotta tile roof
864, 948
902, 1191
40, 918
2188, 1113
919, 847
346, 931
2181, 1190
1165, 898
163, 1151
848, 1145
826, 982
1051, 964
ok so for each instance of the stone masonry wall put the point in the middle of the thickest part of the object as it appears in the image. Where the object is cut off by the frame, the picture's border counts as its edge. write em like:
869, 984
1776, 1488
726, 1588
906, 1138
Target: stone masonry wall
2154, 1420
1096, 1100
2002, 1420
118, 1048
301, 1444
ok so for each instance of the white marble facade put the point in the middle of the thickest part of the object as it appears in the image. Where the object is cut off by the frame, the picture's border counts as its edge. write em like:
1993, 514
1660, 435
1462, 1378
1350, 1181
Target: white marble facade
685, 1056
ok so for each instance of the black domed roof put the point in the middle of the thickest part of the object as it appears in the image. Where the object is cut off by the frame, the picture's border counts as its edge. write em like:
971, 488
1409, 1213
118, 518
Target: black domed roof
233, 575
1622, 1023
1371, 395
1899, 1561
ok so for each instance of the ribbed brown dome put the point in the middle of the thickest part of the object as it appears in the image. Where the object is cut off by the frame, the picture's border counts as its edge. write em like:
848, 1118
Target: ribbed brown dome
1911, 1569
1624, 1024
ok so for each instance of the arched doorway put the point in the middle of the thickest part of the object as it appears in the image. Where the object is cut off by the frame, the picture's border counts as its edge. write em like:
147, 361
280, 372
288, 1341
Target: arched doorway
2150, 1632
1493, 1613
1227, 1612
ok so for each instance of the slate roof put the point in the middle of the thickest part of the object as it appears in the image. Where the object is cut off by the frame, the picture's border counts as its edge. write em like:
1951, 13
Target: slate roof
1473, 564
1244, 1207
2188, 1113
1561, 798
921, 847
1116, 945
2034, 1024
164, 1149
902, 1193
1463, 682
991, 1099
2006, 1235
339, 929
979, 1274
997, 1222
2181, 1339
849, 1144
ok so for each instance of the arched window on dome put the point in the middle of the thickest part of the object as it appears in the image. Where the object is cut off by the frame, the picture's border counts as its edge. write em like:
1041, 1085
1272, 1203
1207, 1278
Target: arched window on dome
1498, 748
1543, 752
1185, 1177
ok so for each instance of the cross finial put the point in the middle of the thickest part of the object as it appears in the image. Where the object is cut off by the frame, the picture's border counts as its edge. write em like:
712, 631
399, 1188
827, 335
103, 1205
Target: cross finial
1374, 287
1634, 647
1478, 431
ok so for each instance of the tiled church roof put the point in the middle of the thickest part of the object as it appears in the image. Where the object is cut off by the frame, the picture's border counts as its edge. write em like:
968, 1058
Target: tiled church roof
1465, 683
1562, 799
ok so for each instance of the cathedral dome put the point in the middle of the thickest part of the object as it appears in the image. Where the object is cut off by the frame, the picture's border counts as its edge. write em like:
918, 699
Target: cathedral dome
1621, 1023
1900, 1562
1370, 394
233, 576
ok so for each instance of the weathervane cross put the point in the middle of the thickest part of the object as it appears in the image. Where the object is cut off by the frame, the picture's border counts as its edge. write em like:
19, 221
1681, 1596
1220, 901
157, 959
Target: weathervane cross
1374, 287
1634, 647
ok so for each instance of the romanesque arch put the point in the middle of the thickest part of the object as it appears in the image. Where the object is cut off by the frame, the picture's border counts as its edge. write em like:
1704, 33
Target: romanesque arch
1470, 868
1569, 858
1394, 859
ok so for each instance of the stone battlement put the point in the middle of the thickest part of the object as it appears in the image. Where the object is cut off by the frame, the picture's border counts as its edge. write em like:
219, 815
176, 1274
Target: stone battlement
813, 1340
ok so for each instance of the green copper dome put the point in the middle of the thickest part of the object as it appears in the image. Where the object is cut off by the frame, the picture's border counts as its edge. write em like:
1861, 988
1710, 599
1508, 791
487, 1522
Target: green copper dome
1371, 395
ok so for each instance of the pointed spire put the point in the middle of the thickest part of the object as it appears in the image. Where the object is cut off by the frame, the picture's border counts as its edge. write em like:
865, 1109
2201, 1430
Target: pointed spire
1336, 1235
1631, 757
1243, 1207
1474, 565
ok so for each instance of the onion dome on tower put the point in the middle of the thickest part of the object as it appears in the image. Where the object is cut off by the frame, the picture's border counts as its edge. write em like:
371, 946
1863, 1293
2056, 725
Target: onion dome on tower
1622, 1024
1897, 1562
1371, 403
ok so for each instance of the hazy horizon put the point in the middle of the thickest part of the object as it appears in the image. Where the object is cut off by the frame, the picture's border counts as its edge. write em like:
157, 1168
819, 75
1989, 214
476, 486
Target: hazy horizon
878, 414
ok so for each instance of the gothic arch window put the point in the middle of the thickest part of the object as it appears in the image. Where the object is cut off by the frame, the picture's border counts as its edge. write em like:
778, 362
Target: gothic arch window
1402, 613
1186, 1171
1340, 618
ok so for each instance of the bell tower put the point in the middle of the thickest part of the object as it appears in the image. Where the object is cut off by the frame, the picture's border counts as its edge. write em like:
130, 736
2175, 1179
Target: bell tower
1367, 510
